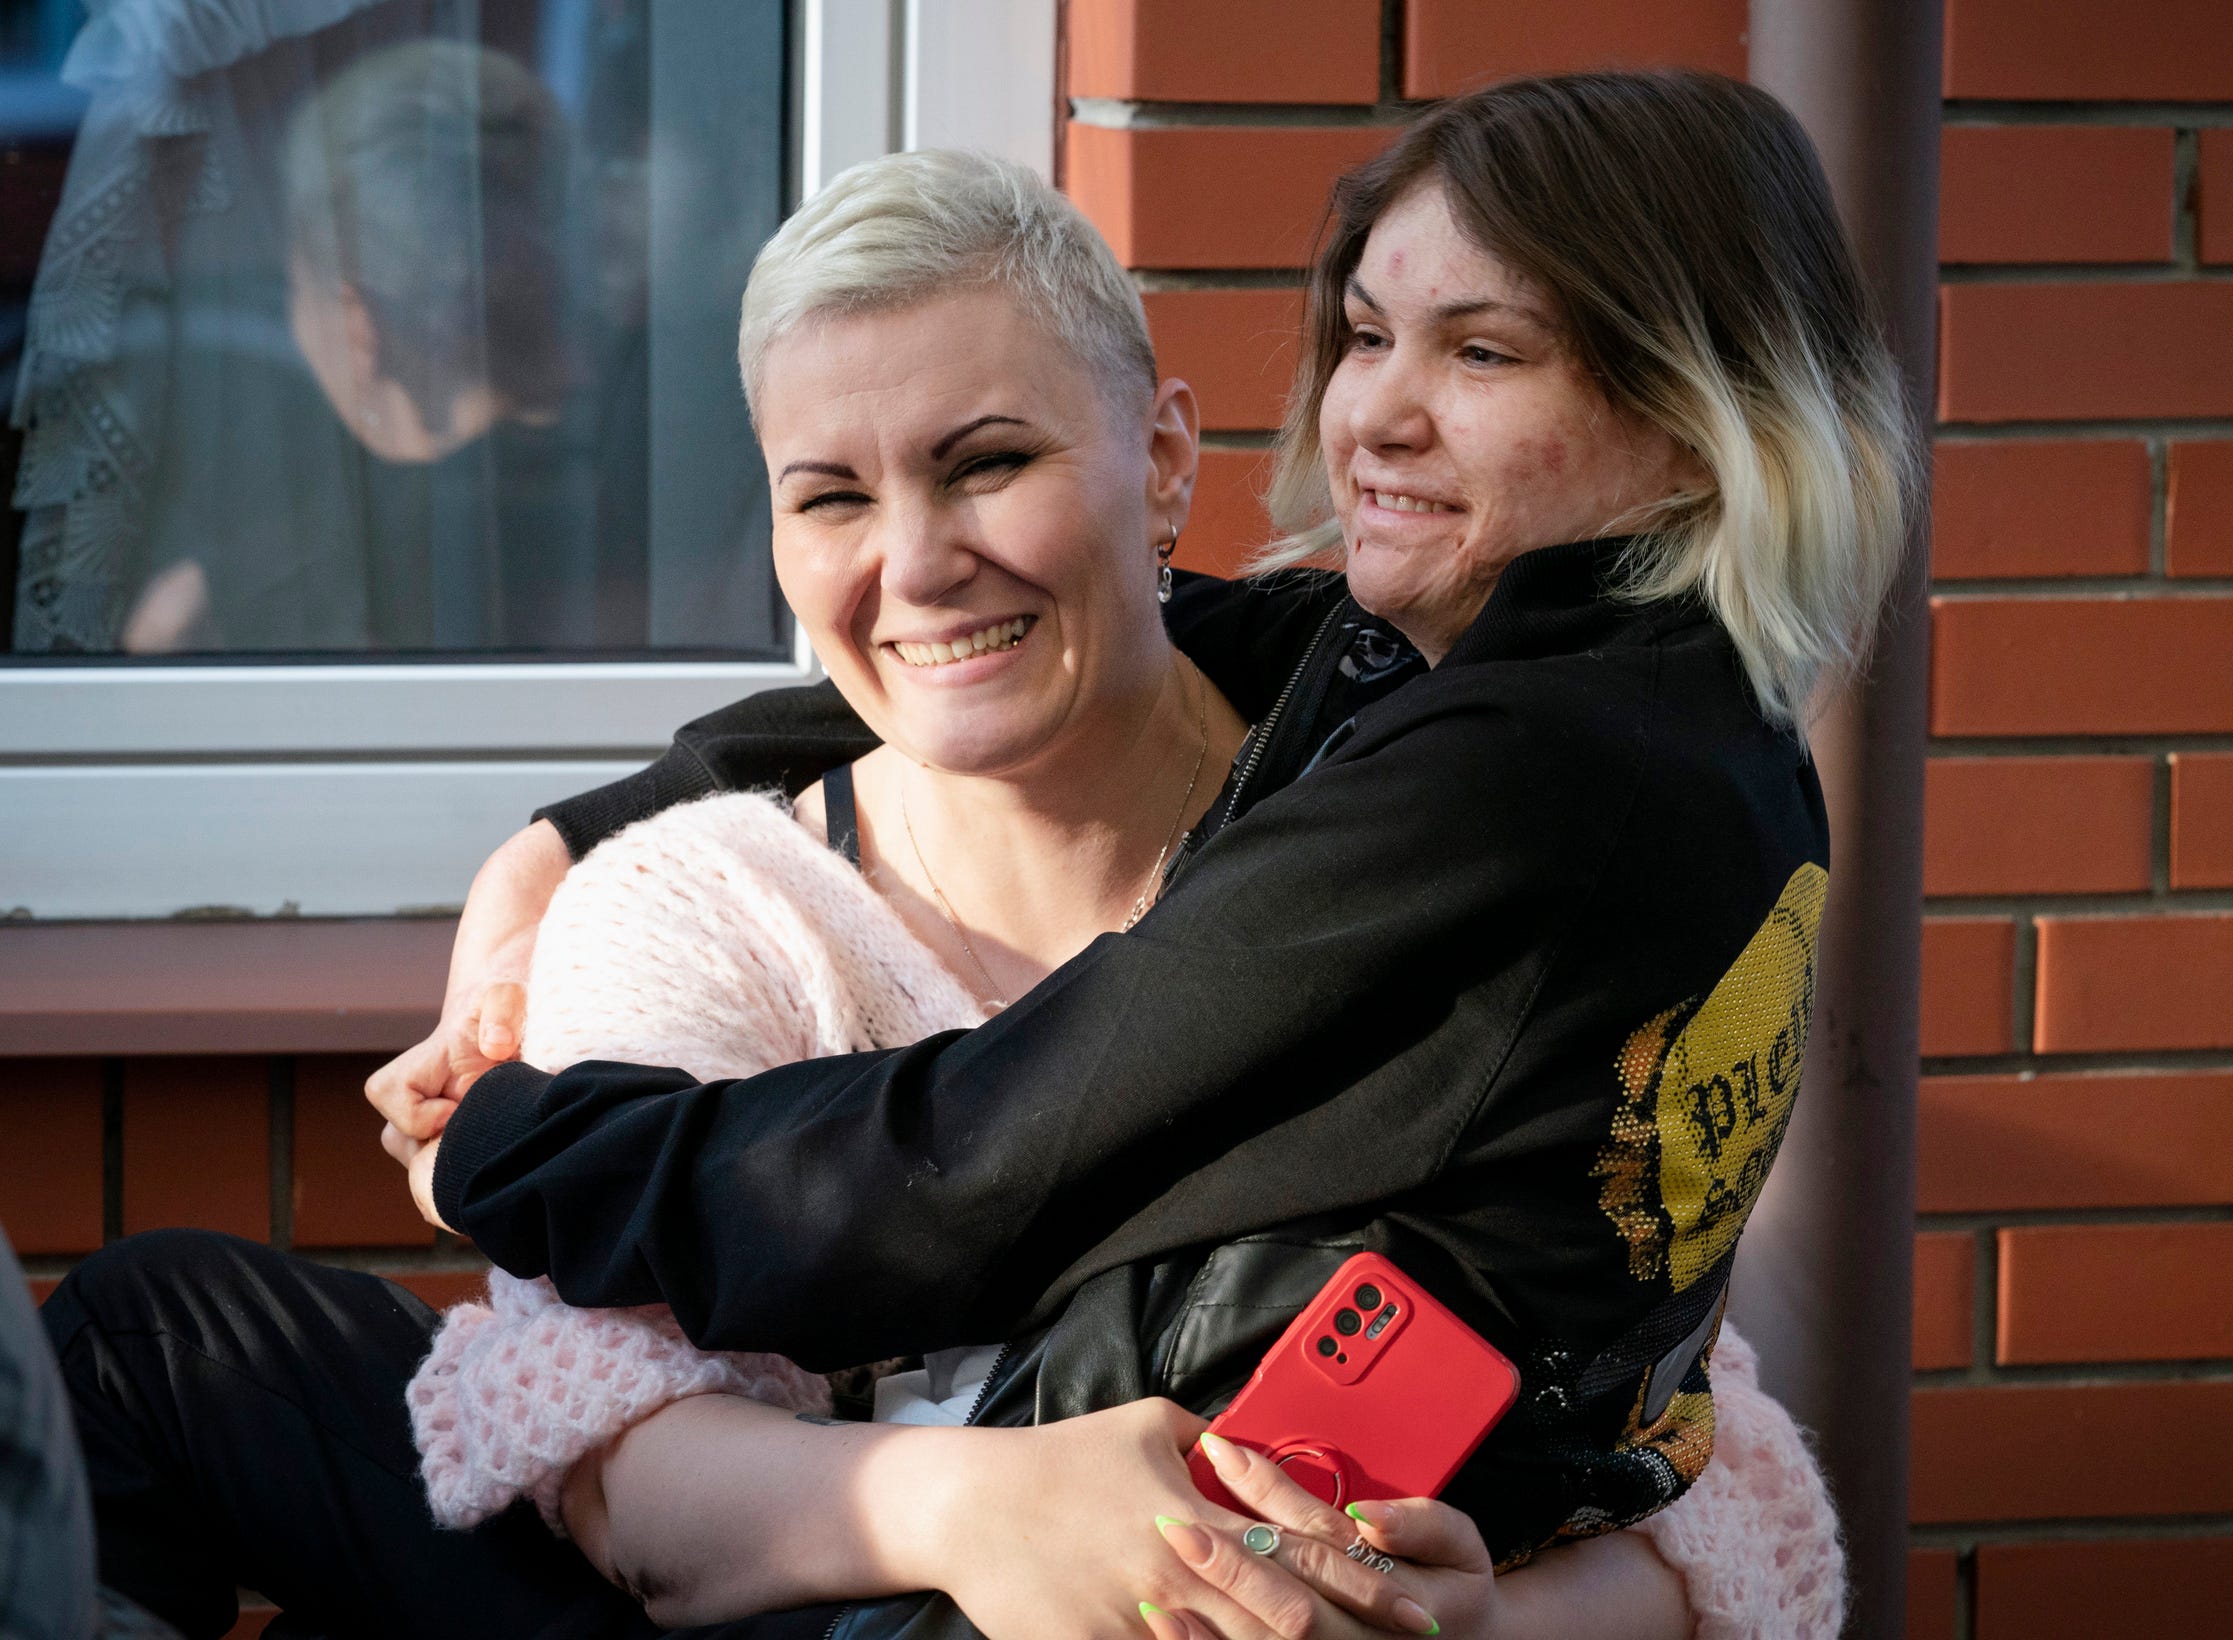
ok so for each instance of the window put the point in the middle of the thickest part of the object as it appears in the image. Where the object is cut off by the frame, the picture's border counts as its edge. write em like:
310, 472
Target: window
378, 465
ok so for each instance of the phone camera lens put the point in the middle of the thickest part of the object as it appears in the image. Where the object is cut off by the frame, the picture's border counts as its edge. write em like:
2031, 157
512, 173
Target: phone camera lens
1347, 1322
1326, 1346
1368, 1297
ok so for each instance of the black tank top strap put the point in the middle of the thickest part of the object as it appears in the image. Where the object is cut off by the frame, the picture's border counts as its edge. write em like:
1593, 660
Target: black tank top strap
841, 817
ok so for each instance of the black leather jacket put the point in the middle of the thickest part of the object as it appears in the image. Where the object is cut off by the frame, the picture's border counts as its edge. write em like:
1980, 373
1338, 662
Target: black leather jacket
1502, 971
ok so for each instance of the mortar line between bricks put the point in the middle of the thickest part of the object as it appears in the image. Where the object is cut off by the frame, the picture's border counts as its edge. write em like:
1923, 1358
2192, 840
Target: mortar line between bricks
2159, 824
2045, 902
1391, 51
2074, 745
279, 1088
1984, 1302
2159, 506
2135, 427
1165, 279
2046, 588
2082, 1375
2186, 163
2186, 1060
2074, 1528
2081, 273
1965, 1589
1237, 441
2051, 1218
458, 1259
1129, 114
2023, 1019
112, 1150
1970, 111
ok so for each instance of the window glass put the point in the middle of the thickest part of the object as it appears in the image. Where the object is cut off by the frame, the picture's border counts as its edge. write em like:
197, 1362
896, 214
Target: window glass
397, 328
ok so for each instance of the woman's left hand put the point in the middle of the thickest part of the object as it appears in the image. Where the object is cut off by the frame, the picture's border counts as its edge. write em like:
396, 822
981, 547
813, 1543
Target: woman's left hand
1303, 1590
417, 1157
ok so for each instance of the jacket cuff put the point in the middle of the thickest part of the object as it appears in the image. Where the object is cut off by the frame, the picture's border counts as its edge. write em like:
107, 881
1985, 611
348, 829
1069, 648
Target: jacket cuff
498, 1111
587, 820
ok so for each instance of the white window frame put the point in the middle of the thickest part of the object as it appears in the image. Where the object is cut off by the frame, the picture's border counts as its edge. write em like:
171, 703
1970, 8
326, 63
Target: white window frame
234, 790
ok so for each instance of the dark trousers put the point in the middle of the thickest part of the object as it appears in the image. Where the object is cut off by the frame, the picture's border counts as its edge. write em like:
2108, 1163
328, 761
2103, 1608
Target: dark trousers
243, 1422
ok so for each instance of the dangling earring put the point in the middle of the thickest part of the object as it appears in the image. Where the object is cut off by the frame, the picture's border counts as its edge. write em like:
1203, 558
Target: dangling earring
1163, 566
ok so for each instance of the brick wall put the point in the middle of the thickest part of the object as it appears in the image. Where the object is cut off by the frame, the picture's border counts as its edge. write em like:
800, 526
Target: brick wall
2074, 1257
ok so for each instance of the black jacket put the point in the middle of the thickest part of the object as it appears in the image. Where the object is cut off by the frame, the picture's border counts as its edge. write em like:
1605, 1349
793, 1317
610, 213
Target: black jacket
1510, 982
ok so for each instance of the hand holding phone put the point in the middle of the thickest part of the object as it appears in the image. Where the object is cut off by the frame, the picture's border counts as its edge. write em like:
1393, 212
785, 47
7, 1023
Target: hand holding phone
1374, 1391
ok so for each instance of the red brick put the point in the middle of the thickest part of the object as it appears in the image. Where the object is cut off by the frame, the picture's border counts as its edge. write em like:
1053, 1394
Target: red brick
2215, 202
439, 1289
2040, 507
2198, 509
2115, 1292
2048, 1452
2173, 50
1454, 45
197, 1145
347, 1191
2076, 666
2038, 825
2201, 820
2049, 193
1239, 51
252, 1622
1969, 969
50, 1168
1224, 196
42, 1287
1228, 522
1931, 1593
2159, 1589
2113, 983
1945, 1299
1235, 348
2001, 1144
2074, 351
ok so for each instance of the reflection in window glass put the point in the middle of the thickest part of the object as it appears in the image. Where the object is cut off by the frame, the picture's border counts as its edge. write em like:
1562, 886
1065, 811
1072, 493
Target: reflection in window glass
401, 327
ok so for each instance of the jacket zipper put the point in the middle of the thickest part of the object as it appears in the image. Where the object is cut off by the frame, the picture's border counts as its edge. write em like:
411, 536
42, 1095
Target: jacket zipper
984, 1394
1271, 718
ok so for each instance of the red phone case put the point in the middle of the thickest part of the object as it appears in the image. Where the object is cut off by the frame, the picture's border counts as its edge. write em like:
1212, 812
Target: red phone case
1367, 1400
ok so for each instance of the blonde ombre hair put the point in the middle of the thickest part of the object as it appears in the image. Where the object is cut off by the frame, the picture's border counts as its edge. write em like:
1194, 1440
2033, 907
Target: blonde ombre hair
898, 230
1682, 227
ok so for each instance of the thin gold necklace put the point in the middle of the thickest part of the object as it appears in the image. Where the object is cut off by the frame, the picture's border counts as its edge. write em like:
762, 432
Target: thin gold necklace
1139, 906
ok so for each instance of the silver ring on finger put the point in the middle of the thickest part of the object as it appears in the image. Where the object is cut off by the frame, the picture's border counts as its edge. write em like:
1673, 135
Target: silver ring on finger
1364, 1554
1261, 1539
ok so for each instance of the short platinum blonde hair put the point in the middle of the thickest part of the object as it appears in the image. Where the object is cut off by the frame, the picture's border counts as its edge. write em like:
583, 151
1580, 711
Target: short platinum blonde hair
891, 232
1682, 227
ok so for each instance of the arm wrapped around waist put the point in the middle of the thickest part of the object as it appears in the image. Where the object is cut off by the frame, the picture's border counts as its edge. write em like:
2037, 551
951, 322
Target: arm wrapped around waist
515, 1392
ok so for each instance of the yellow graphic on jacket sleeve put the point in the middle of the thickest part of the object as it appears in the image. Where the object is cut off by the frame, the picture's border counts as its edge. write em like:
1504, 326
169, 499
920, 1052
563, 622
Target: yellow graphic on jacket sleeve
1710, 1086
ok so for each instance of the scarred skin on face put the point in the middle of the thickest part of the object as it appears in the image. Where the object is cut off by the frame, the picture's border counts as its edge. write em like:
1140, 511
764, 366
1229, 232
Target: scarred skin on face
1459, 431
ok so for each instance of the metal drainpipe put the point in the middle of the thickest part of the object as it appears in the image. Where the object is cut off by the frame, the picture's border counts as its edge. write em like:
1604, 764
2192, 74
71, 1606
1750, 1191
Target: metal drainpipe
1823, 1284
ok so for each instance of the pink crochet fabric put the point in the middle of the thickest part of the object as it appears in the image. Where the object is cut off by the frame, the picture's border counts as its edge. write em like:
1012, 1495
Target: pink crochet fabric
1755, 1540
721, 938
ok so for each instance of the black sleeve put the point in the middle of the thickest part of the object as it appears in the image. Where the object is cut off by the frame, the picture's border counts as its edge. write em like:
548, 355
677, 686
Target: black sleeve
1245, 635
1338, 975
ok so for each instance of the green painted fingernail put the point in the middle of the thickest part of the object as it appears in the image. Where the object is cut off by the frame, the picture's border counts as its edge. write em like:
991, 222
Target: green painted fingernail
1147, 1610
1162, 1521
1356, 1511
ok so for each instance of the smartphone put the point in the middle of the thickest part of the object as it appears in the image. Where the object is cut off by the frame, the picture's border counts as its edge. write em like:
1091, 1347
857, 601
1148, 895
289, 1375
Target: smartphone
1375, 1391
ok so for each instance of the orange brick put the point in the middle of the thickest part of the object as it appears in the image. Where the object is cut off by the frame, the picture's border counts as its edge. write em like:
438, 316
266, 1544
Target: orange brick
2040, 507
2113, 983
1969, 969
2046, 1452
347, 1192
2215, 206
2201, 820
1998, 1144
1228, 521
1931, 1594
1212, 196
197, 1145
42, 1287
1239, 51
2045, 193
50, 1168
2038, 825
252, 1622
2198, 509
1235, 348
439, 1289
2075, 666
1454, 45
1945, 1299
2115, 1292
2081, 49
2069, 351
2161, 1589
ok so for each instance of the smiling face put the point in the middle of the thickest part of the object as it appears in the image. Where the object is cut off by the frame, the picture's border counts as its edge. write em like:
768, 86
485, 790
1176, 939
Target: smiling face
966, 527
1459, 431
